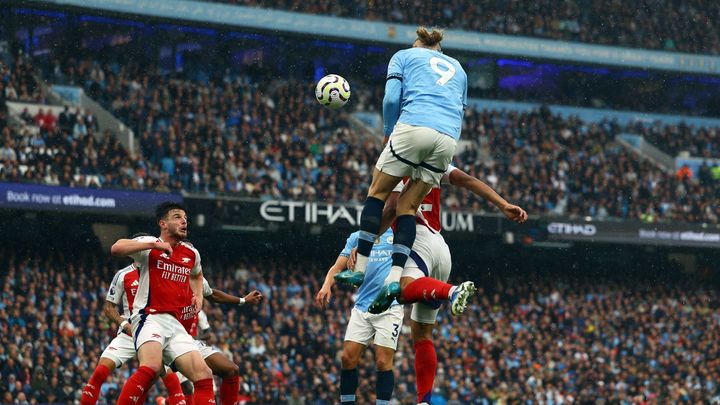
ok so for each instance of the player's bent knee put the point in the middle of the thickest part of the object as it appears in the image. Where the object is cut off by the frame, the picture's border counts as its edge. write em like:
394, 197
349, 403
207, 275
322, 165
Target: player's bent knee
421, 331
155, 366
231, 370
349, 360
109, 363
383, 360
406, 281
202, 373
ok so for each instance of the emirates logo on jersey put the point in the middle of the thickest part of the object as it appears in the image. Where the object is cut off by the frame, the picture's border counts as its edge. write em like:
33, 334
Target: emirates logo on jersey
173, 272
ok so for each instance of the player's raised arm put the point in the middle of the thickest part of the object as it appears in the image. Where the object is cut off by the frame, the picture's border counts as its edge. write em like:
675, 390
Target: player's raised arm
459, 178
130, 247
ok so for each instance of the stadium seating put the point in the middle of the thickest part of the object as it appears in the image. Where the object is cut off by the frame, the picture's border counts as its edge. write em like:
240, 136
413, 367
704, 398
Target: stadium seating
235, 137
689, 26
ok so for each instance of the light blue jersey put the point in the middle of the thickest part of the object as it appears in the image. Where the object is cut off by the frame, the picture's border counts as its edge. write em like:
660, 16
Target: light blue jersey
378, 267
434, 89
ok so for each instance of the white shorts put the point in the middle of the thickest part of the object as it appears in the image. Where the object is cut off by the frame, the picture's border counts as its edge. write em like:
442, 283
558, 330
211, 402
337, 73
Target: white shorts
205, 351
120, 349
384, 327
165, 329
419, 152
430, 257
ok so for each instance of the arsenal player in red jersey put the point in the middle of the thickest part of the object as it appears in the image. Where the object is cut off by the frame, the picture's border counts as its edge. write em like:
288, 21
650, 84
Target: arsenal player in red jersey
122, 348
169, 292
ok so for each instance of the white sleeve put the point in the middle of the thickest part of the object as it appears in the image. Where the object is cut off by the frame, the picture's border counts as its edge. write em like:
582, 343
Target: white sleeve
207, 291
203, 323
197, 268
117, 289
142, 255
446, 176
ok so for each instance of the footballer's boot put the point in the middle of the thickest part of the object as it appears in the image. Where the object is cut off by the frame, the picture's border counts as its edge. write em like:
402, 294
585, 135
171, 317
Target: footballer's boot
349, 277
459, 298
386, 296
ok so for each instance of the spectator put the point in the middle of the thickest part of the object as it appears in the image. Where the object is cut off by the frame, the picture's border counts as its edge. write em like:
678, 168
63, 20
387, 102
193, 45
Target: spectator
684, 173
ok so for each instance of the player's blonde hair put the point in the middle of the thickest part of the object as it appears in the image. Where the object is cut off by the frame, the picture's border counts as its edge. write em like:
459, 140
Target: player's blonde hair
429, 38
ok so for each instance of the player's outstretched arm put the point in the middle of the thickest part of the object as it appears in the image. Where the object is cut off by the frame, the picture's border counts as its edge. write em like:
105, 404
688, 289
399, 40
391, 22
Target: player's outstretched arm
128, 247
221, 297
110, 310
323, 296
461, 179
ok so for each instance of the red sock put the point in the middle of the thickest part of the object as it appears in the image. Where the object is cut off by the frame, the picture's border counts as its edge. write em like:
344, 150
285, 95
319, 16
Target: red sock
137, 386
425, 289
425, 367
204, 392
172, 384
229, 390
189, 399
92, 388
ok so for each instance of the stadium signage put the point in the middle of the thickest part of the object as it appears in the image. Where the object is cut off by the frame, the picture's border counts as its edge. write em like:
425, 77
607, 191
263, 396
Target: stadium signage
282, 215
52, 198
633, 232
566, 228
330, 214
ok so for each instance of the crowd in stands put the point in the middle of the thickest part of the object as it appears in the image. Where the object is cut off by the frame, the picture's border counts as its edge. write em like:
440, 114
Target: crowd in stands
688, 26
578, 339
673, 139
271, 140
568, 167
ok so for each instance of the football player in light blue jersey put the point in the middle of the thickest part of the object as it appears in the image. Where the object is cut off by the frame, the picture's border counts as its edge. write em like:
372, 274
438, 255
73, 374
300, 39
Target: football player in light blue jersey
425, 99
363, 326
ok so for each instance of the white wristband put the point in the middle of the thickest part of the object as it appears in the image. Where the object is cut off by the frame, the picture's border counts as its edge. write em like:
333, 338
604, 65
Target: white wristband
241, 302
123, 323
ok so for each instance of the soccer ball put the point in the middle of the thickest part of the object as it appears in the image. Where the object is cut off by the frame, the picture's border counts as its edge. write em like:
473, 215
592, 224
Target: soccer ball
332, 91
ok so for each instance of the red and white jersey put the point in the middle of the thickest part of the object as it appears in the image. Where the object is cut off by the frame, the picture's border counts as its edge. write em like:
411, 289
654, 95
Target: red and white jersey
199, 322
164, 284
429, 212
123, 289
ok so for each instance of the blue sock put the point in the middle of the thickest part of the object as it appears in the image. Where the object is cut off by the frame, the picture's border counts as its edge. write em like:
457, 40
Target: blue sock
348, 386
369, 224
384, 387
404, 239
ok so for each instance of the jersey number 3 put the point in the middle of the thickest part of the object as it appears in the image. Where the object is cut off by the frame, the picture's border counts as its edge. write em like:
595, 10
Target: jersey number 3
446, 72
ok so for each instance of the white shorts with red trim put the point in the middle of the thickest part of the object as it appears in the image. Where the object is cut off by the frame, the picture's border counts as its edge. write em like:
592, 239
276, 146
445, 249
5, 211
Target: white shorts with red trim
120, 349
166, 330
430, 257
